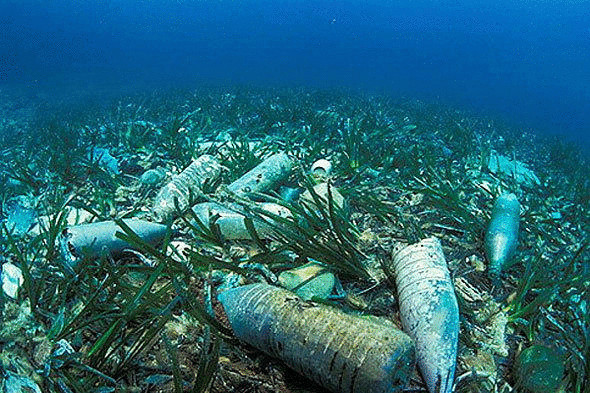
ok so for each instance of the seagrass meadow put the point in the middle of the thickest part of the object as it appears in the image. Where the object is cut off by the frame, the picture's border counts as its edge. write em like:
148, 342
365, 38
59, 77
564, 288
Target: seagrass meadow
149, 320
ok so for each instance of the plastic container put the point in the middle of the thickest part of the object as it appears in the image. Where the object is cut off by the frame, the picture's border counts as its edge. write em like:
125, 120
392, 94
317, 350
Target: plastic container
429, 310
502, 233
265, 176
98, 238
342, 352
231, 222
184, 185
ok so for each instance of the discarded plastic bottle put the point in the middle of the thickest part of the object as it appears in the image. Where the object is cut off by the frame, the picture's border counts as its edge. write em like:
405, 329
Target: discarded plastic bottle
429, 310
231, 222
265, 176
502, 234
188, 182
343, 353
324, 191
92, 240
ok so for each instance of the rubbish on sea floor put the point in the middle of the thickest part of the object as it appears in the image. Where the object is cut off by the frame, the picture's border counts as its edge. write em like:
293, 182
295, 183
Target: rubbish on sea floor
323, 190
321, 169
429, 310
185, 185
265, 176
290, 194
152, 177
502, 233
92, 240
20, 215
342, 352
224, 145
309, 280
539, 369
105, 160
12, 279
257, 271
488, 325
497, 163
481, 364
231, 222
15, 383
73, 216
62, 348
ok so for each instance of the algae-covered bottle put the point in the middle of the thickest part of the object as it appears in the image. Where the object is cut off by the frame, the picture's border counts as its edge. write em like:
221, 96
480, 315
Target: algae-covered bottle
502, 234
429, 310
342, 352
265, 176
186, 184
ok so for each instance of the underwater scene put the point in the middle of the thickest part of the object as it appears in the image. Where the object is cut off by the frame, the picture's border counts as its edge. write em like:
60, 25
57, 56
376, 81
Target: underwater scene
289, 196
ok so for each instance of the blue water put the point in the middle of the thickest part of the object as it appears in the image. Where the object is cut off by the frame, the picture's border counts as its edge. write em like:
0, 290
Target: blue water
526, 62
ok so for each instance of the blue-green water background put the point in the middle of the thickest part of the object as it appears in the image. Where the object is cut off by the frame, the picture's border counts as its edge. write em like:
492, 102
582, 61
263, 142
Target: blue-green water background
526, 62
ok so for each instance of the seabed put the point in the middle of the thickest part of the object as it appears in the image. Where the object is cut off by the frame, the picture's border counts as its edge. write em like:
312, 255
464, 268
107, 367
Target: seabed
407, 170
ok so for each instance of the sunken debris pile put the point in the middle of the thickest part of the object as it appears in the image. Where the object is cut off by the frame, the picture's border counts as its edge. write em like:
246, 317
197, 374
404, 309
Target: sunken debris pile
225, 241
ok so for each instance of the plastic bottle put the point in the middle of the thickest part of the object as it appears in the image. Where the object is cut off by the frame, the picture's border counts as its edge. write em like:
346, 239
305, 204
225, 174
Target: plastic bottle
186, 184
342, 352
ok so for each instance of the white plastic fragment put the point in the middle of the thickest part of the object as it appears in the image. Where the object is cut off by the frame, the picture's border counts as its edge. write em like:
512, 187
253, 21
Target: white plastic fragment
12, 279
502, 233
93, 240
20, 215
501, 164
15, 383
104, 159
324, 191
265, 176
321, 168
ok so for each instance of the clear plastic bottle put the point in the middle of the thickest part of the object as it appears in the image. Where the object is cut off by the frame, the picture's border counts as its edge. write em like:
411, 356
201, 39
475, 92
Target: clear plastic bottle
184, 186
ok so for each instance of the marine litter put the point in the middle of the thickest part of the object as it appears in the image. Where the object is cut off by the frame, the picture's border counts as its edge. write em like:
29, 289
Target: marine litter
289, 241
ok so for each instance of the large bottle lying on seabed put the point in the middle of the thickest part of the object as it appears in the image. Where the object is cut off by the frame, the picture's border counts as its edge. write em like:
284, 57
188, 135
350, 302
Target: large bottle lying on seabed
502, 234
343, 353
429, 310
264, 176
100, 238
231, 220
